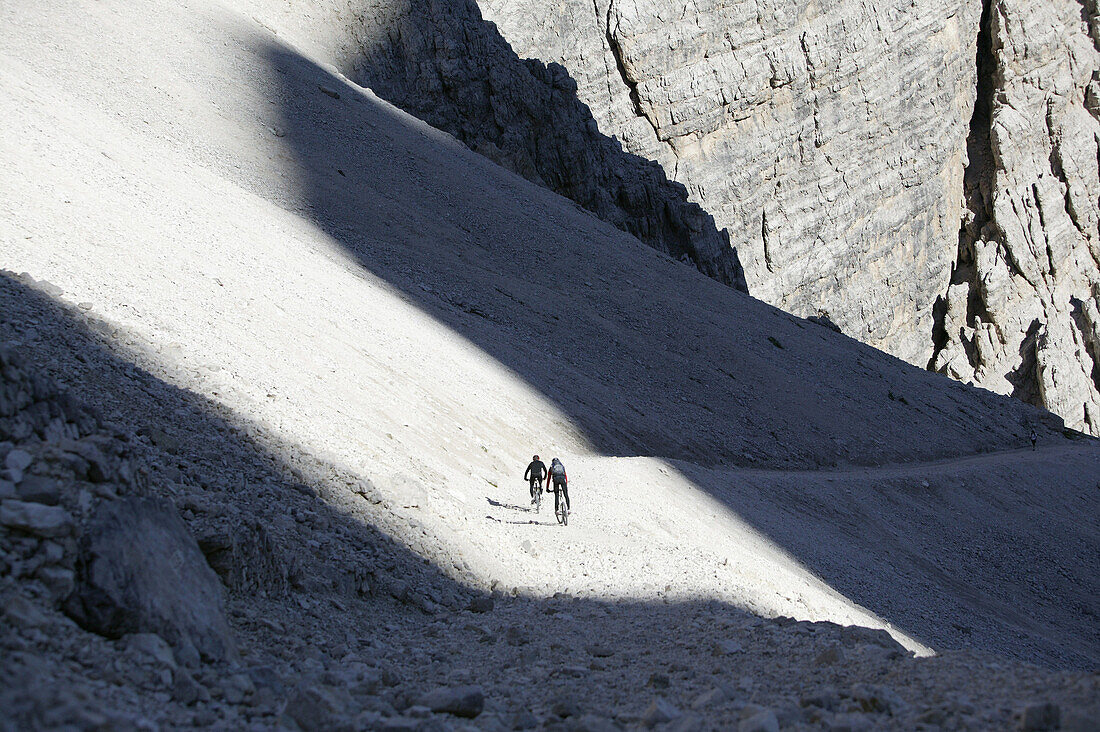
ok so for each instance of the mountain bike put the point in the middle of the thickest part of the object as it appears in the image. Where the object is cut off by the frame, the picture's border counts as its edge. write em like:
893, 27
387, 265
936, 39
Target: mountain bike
561, 511
537, 484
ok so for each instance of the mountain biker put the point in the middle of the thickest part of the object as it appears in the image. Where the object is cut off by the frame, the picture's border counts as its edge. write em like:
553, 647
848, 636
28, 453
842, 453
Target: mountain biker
535, 472
561, 480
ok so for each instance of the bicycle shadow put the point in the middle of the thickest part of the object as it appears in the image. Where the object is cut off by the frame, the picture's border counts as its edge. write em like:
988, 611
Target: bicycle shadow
529, 522
509, 506
523, 509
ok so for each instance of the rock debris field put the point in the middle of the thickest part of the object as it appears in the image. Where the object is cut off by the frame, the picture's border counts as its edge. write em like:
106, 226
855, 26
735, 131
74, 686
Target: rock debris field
264, 606
273, 359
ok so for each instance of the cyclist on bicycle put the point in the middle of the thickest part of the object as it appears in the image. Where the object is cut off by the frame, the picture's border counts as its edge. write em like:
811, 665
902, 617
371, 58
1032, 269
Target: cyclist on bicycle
561, 481
535, 472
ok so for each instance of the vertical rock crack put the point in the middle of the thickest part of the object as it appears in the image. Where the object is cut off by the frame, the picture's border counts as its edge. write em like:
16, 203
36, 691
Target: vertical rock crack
977, 195
620, 65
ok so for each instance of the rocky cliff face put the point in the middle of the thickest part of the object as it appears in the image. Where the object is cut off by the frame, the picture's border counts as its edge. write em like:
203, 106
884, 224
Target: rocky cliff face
829, 140
1020, 315
833, 141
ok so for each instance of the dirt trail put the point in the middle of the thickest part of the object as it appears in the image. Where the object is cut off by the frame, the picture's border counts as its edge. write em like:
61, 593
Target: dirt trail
926, 467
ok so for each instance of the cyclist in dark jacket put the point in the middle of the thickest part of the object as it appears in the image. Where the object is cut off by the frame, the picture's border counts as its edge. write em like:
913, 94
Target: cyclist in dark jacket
561, 480
535, 472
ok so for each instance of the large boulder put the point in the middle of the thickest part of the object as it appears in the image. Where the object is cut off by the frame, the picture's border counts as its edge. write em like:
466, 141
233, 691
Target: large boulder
141, 571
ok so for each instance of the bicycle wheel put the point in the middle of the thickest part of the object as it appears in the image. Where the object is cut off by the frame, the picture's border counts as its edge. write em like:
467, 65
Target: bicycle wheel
559, 507
538, 497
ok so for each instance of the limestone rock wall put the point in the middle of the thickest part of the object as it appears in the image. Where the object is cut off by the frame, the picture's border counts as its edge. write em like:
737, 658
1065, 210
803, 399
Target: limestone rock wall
828, 138
1021, 314
832, 141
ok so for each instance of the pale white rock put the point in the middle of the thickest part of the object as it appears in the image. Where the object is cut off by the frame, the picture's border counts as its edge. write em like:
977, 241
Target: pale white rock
1030, 272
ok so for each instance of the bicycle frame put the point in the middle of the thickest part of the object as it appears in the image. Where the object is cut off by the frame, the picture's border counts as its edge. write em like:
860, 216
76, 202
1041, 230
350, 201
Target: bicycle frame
561, 509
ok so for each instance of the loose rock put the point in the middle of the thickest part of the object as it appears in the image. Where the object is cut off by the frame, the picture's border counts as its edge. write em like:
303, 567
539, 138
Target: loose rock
35, 518
763, 721
461, 701
659, 711
1041, 716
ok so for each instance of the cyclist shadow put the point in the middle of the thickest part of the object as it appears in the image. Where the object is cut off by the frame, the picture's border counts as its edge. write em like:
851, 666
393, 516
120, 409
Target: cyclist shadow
528, 522
523, 509
509, 506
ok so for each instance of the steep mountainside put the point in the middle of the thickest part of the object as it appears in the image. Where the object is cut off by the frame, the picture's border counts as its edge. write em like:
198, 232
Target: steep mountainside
828, 137
440, 61
274, 355
923, 174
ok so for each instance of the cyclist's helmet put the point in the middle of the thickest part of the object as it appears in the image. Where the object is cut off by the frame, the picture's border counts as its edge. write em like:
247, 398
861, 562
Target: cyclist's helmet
536, 457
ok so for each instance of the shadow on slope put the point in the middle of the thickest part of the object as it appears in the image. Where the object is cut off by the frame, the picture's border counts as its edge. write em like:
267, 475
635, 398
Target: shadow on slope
440, 61
223, 474
645, 356
649, 359
353, 588
352, 651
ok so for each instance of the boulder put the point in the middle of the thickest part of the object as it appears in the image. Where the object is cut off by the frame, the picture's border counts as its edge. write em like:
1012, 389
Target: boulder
22, 613
878, 699
709, 698
659, 711
480, 604
39, 489
18, 460
762, 721
140, 571
186, 690
314, 707
151, 647
59, 581
461, 701
727, 647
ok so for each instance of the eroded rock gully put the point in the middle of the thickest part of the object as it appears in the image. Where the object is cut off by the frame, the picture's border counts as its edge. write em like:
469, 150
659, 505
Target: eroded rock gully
844, 147
1021, 312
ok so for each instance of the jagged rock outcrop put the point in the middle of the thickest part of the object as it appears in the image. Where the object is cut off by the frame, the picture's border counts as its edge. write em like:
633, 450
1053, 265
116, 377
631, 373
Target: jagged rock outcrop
1021, 313
832, 143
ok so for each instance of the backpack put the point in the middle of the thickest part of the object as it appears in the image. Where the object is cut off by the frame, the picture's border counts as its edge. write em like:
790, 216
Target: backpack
557, 470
